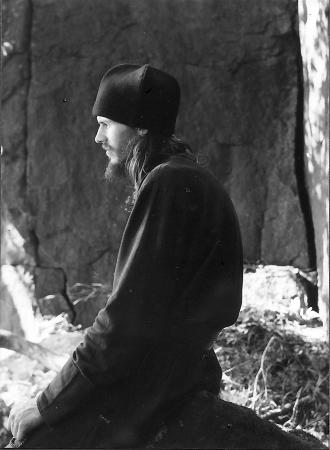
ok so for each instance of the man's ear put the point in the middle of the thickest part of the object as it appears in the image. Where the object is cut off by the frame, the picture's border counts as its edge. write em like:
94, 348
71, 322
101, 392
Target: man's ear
142, 131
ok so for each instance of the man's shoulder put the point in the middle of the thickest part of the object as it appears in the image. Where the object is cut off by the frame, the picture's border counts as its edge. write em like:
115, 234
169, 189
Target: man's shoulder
182, 181
179, 170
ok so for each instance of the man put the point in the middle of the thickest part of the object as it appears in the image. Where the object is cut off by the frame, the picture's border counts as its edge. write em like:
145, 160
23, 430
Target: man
177, 282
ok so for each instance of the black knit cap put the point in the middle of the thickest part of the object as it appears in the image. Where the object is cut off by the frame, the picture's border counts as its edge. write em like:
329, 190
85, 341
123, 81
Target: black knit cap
139, 96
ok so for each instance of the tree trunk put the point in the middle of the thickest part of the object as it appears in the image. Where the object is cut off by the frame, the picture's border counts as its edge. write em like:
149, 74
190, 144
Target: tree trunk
313, 31
47, 358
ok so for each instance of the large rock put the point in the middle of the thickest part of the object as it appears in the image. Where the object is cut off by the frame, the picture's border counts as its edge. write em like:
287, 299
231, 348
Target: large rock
237, 64
50, 281
16, 78
54, 305
209, 422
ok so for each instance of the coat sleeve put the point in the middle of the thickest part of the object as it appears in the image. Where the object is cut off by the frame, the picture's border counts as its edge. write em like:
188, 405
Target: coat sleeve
147, 281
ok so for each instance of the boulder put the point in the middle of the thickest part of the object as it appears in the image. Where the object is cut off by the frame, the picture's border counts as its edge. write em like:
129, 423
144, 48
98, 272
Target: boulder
87, 300
50, 281
86, 310
209, 422
16, 77
237, 65
54, 305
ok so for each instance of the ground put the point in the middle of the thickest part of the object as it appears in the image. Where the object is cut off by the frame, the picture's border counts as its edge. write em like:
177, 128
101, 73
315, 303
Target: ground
274, 359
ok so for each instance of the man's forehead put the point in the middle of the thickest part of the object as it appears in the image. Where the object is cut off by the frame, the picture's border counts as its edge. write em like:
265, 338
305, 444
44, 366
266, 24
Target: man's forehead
102, 119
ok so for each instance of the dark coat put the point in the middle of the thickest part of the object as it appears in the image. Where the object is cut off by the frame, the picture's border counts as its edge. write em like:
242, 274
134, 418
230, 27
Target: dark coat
178, 281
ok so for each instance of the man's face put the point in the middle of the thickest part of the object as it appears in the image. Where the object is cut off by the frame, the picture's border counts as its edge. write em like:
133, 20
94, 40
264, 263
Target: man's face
114, 138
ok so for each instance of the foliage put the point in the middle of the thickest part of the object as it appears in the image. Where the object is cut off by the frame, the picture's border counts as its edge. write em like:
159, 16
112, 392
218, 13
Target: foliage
271, 367
21, 377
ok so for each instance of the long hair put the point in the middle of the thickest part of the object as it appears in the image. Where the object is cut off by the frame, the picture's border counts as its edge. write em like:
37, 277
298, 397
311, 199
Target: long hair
148, 150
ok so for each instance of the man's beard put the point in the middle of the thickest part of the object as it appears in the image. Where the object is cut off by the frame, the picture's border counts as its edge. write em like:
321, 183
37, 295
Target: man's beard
115, 171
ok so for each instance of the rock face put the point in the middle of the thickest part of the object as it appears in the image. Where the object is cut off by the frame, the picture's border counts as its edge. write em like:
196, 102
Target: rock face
208, 422
16, 77
237, 66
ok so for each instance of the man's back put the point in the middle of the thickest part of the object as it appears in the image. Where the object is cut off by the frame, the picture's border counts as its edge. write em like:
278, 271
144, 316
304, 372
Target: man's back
197, 231
179, 272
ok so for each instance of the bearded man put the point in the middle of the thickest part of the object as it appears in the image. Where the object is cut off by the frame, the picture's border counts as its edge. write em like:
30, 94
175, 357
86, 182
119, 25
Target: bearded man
177, 282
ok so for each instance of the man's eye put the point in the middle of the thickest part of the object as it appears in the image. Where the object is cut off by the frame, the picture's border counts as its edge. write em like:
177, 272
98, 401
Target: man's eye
105, 124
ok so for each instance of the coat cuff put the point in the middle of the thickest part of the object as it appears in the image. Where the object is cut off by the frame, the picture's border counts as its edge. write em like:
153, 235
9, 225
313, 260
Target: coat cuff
63, 394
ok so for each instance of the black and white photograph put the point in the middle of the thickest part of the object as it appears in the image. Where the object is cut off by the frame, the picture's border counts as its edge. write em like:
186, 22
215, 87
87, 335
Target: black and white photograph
164, 224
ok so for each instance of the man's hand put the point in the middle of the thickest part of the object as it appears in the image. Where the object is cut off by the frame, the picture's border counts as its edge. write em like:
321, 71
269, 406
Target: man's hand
23, 418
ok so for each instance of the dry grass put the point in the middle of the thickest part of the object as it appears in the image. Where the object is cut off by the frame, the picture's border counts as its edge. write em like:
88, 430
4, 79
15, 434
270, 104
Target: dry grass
275, 371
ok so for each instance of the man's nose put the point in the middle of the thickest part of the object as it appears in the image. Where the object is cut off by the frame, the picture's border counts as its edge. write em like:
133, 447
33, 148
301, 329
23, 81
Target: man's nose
98, 137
